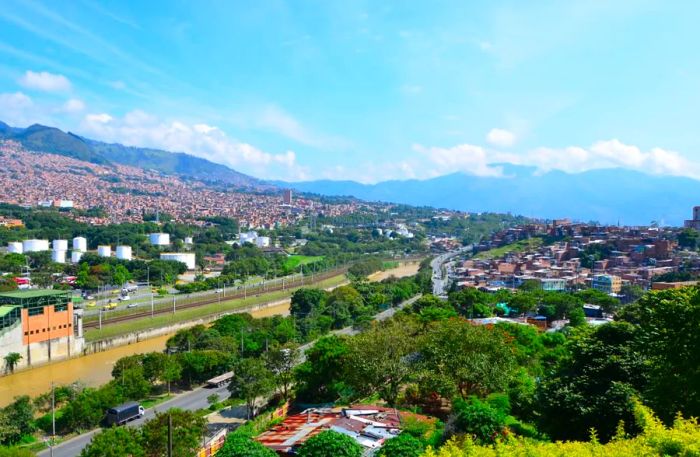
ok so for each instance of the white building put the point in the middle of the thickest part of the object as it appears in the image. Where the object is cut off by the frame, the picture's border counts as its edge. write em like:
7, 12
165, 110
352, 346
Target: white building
104, 251
124, 252
15, 247
189, 240
188, 258
79, 244
35, 245
262, 241
159, 239
247, 237
75, 256
65, 203
60, 245
58, 256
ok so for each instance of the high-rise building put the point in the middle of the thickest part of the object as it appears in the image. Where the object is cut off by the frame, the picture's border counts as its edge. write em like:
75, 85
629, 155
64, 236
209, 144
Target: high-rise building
695, 221
287, 197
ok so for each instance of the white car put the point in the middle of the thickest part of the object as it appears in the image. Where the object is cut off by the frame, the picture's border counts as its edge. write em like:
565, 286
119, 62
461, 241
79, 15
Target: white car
124, 298
131, 305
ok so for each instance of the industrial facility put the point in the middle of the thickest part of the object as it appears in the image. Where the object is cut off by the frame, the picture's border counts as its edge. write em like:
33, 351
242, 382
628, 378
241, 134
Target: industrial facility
159, 239
188, 258
40, 325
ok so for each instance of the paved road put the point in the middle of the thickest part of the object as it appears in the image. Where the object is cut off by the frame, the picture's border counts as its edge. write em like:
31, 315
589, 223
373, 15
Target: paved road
197, 398
441, 279
191, 400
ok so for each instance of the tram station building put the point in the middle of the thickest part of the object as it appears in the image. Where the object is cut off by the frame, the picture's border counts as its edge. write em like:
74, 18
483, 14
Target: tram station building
40, 325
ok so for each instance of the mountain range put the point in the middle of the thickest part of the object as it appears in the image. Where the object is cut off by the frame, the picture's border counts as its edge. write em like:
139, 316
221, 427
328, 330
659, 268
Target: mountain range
607, 195
40, 138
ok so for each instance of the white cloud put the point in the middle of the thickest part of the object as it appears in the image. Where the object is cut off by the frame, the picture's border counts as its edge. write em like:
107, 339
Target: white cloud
45, 81
101, 118
138, 128
14, 108
480, 161
501, 137
73, 105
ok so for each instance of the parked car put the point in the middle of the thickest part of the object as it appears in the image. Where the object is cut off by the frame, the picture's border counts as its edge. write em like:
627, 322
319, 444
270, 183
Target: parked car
124, 298
132, 305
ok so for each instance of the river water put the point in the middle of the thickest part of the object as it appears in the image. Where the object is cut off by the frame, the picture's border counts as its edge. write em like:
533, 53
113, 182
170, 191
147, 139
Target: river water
96, 369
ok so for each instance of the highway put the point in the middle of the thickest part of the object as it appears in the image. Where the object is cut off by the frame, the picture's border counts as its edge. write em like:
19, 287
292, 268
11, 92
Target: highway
441, 281
197, 399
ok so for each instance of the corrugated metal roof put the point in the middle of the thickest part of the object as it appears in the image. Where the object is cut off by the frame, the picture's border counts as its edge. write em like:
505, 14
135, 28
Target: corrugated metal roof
5, 310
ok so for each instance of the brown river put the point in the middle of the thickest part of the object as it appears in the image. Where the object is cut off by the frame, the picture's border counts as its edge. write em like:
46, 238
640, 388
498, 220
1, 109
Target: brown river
95, 369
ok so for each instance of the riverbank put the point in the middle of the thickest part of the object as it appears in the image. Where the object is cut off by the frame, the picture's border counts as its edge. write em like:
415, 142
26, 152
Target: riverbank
95, 368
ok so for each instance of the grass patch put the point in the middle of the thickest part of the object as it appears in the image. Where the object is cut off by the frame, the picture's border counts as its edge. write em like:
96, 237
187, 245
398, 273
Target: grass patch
294, 261
390, 264
163, 320
520, 246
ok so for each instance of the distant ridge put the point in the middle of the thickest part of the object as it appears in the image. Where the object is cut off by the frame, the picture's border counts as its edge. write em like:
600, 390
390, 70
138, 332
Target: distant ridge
40, 138
606, 196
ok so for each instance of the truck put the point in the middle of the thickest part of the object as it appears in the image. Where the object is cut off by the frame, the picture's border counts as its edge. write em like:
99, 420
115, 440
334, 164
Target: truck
122, 414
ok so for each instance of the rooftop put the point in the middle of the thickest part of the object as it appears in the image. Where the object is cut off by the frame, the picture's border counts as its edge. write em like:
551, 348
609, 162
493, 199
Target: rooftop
34, 293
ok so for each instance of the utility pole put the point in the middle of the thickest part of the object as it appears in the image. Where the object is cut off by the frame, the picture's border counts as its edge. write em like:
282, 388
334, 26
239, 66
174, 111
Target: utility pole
173, 305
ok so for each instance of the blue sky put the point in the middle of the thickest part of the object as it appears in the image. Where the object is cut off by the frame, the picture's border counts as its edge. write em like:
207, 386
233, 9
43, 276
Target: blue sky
370, 90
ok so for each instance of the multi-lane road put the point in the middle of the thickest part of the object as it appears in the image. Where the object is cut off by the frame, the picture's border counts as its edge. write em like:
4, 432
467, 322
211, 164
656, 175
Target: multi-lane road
441, 267
192, 400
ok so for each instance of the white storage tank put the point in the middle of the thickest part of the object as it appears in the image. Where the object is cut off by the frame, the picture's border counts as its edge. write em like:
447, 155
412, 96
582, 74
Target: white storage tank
79, 244
189, 240
15, 247
58, 256
187, 258
75, 256
104, 251
124, 252
35, 245
159, 239
60, 245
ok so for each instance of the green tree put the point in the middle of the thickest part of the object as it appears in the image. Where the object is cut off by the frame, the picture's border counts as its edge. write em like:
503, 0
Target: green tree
188, 428
457, 358
330, 444
251, 379
594, 386
479, 419
239, 445
20, 415
321, 378
577, 317
172, 371
668, 337
9, 431
281, 362
121, 275
379, 359
688, 238
11, 361
115, 442
403, 445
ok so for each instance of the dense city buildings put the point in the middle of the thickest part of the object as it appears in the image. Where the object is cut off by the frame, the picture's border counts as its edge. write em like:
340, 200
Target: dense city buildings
126, 193
561, 255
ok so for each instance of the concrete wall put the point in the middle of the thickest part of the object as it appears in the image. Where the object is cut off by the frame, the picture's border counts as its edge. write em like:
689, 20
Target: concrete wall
37, 353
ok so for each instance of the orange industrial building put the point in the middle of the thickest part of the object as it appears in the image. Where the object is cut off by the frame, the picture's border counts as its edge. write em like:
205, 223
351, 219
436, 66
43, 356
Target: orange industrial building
40, 325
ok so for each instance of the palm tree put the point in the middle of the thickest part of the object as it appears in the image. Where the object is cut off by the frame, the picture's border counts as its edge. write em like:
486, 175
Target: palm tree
11, 361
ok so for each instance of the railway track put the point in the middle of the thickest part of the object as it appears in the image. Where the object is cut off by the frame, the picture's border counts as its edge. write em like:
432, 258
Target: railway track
209, 301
